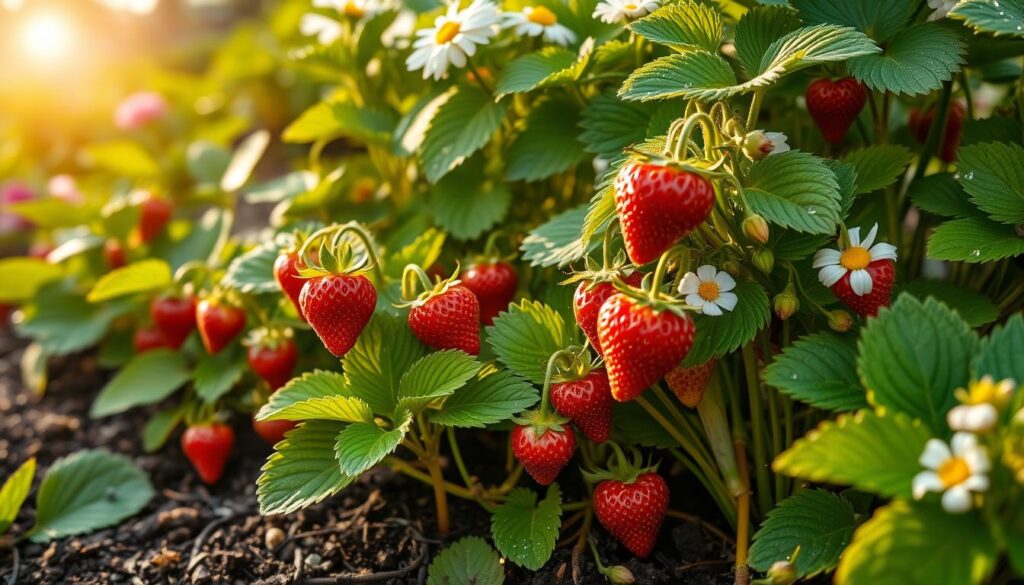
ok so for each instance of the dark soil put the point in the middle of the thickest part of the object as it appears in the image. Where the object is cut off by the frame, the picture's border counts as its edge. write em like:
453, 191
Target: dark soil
190, 533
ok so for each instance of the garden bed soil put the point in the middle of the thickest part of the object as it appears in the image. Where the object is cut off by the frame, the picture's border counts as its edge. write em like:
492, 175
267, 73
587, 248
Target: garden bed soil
379, 530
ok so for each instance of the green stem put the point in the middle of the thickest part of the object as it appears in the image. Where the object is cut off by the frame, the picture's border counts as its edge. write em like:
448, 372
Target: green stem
755, 109
757, 429
457, 456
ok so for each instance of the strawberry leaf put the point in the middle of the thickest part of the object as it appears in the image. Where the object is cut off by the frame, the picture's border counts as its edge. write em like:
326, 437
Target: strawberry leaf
466, 203
435, 376
941, 195
547, 144
148, 378
423, 251
24, 276
362, 445
610, 125
138, 277
717, 336
525, 336
330, 120
460, 127
469, 561
302, 470
1000, 353
215, 374
916, 60
683, 26
758, 29
491, 397
525, 531
974, 240
557, 242
308, 386
253, 271
878, 166
880, 21
63, 322
121, 158
159, 427
993, 175
533, 70
386, 349
973, 306
795, 190
1005, 17
820, 370
14, 492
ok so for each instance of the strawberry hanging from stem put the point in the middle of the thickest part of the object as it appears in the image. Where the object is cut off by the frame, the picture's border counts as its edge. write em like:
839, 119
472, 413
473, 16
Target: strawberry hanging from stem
287, 268
492, 279
543, 441
207, 447
834, 105
446, 315
272, 354
582, 393
220, 320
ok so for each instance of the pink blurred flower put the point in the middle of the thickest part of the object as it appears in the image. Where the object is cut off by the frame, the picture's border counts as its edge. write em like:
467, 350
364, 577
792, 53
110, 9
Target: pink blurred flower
139, 109
65, 188
9, 194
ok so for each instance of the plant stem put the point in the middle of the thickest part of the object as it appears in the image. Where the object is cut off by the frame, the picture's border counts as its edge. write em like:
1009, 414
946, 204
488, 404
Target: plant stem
457, 456
757, 428
743, 525
755, 109
440, 494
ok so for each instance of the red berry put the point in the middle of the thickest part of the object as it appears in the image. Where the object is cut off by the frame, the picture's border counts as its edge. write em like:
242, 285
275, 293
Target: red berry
155, 213
494, 285
337, 308
588, 402
113, 253
175, 317
633, 512
218, 324
40, 250
835, 105
657, 205
545, 455
286, 272
588, 300
449, 320
147, 338
640, 344
274, 361
689, 383
207, 448
920, 124
883, 274
272, 431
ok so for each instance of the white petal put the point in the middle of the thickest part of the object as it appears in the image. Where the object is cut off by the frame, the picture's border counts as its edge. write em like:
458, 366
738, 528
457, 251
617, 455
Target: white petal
956, 500
826, 257
706, 273
935, 454
976, 418
924, 482
689, 284
694, 300
963, 443
830, 275
976, 483
711, 309
725, 281
727, 300
854, 236
871, 237
860, 282
977, 460
456, 57
882, 251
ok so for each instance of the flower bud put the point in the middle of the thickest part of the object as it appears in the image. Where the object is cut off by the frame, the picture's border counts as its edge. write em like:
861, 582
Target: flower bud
786, 302
764, 260
619, 575
756, 145
782, 573
756, 228
732, 267
839, 320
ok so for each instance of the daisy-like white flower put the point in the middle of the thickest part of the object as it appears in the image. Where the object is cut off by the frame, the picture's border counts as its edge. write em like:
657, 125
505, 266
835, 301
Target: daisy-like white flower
326, 30
982, 401
534, 21
354, 9
941, 8
453, 38
957, 471
834, 264
612, 11
759, 144
708, 290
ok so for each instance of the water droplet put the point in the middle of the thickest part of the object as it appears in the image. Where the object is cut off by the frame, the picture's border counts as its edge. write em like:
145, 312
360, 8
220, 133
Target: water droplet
813, 211
956, 176
793, 377
975, 253
968, 175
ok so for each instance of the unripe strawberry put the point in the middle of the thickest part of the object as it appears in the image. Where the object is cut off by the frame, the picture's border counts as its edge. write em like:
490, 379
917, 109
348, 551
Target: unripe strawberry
764, 260
786, 302
840, 321
756, 228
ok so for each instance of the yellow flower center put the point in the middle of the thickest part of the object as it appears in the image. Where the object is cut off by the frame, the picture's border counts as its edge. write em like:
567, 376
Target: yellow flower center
542, 16
447, 32
709, 290
631, 7
954, 471
351, 10
855, 258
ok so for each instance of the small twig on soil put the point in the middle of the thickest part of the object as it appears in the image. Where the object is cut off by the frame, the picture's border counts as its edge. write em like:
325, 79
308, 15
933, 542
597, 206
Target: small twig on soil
580, 548
371, 577
362, 510
225, 514
699, 564
15, 566
701, 524
298, 564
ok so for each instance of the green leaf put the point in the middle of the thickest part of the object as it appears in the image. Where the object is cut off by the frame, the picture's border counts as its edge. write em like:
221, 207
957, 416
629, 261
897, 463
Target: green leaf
159, 427
998, 17
362, 445
491, 397
121, 157
51, 212
337, 407
23, 276
525, 531
610, 125
898, 546
999, 354
526, 335
941, 195
794, 190
878, 20
974, 240
878, 166
461, 126
148, 378
758, 29
197, 243
534, 70
206, 161
973, 306
423, 251
137, 277
717, 336
872, 452
303, 469
820, 370
63, 322
253, 271
817, 521
329, 120
557, 242
913, 356
600, 213
86, 491
917, 60
386, 349
547, 145
435, 376
466, 203
684, 26
309, 386
216, 374
993, 175
470, 561
846, 177
14, 492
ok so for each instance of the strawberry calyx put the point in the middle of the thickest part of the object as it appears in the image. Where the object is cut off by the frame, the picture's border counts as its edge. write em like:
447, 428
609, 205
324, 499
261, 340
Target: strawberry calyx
542, 422
341, 249
492, 253
619, 467
576, 364
414, 275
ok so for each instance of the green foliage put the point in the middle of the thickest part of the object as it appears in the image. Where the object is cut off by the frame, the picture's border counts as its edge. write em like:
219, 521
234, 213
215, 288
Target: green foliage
24, 276
524, 530
973, 306
880, 21
974, 240
253, 271
308, 387
303, 469
534, 70
138, 277
873, 452
993, 175
999, 17
610, 125
547, 144
913, 356
216, 374
557, 242
683, 26
386, 349
435, 376
820, 370
469, 561
121, 158
999, 354
462, 125
14, 492
717, 336
526, 335
330, 120
941, 195
159, 427
916, 60
63, 322
466, 203
362, 445
244, 160
494, 395
423, 251
86, 491
817, 521
878, 166
794, 190
148, 378
758, 29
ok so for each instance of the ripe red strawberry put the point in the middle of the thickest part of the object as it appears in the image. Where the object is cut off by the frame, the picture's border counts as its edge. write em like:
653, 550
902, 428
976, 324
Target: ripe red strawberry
883, 274
640, 344
494, 284
543, 455
835, 105
920, 124
147, 338
274, 360
286, 273
633, 511
207, 447
337, 307
272, 431
448, 320
657, 205
588, 300
113, 253
219, 323
689, 383
175, 317
588, 402
155, 213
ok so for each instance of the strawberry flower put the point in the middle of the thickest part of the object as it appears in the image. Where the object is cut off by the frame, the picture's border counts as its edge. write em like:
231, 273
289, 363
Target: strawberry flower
534, 21
612, 11
709, 290
980, 405
957, 471
453, 39
834, 264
